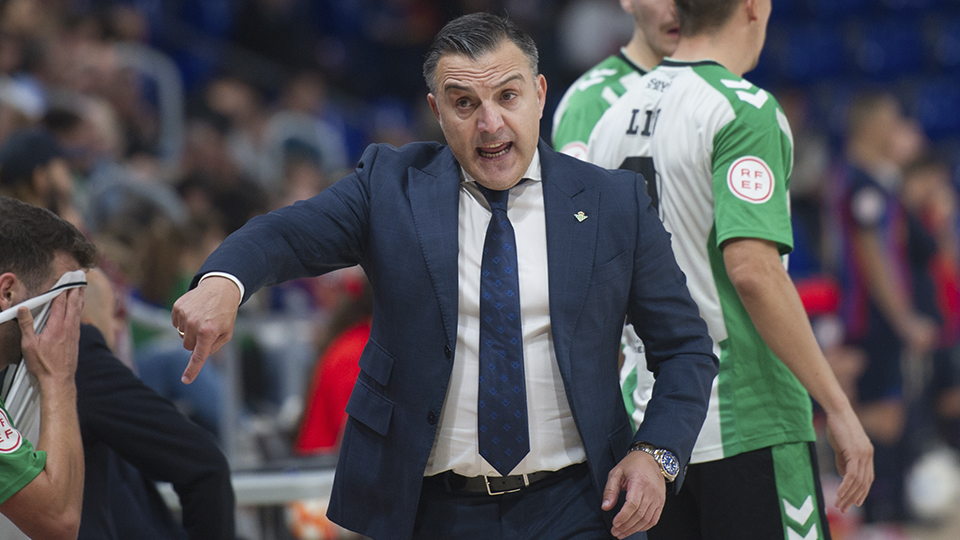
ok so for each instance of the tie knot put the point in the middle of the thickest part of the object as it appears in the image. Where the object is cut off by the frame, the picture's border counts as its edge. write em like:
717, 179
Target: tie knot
496, 199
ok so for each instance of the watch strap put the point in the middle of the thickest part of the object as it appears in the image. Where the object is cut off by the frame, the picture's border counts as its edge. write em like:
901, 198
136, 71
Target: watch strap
669, 466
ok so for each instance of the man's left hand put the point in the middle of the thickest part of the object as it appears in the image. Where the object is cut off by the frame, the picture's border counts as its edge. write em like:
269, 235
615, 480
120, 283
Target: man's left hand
639, 475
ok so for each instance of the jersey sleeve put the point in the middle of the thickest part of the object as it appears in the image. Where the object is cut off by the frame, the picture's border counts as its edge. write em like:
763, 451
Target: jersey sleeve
19, 463
751, 161
573, 130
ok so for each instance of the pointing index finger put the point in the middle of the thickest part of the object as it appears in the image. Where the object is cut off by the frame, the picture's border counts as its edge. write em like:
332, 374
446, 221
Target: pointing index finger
197, 359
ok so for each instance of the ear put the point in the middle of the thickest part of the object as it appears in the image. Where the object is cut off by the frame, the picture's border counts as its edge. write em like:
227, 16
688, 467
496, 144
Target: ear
9, 290
541, 92
432, 100
627, 5
753, 10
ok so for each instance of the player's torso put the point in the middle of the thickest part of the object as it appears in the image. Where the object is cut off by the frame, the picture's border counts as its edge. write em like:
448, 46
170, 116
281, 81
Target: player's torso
712, 166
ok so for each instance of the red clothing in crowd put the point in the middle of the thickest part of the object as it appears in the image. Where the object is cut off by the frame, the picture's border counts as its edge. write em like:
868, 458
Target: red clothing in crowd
330, 389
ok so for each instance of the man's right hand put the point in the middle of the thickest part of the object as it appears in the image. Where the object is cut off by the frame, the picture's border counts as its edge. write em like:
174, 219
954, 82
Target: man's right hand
52, 356
854, 457
205, 317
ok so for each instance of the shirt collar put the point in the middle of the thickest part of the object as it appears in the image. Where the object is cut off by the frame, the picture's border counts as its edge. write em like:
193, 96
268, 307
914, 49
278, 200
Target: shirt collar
533, 171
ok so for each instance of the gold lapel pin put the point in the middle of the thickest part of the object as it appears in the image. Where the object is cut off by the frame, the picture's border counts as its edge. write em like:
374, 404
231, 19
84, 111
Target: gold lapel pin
580, 216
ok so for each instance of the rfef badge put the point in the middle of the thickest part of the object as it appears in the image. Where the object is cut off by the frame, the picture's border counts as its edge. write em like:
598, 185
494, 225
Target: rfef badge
750, 179
10, 438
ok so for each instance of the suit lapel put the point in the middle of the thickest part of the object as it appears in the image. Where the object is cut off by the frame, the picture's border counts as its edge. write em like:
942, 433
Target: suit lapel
435, 202
571, 244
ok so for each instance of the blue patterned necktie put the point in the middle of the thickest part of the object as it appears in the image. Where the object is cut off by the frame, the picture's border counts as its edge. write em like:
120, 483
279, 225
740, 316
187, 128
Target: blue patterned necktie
502, 404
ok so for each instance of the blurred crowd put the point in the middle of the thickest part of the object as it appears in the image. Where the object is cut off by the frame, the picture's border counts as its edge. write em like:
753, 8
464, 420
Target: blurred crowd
160, 126
875, 261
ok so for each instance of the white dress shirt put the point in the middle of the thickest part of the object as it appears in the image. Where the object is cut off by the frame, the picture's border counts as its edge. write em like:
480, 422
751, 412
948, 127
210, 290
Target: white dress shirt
554, 439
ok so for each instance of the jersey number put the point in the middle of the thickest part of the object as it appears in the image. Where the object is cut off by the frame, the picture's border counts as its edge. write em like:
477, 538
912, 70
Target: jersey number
644, 166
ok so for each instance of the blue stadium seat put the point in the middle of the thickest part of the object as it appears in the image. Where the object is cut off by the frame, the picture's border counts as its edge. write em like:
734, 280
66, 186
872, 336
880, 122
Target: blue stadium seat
937, 108
831, 10
889, 49
812, 53
786, 10
946, 46
834, 104
910, 5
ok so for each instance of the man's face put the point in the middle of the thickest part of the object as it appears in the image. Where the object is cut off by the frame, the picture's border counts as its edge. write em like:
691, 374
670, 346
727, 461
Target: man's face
12, 295
880, 128
657, 20
489, 111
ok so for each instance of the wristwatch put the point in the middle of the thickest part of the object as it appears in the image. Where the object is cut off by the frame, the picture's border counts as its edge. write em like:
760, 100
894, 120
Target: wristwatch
669, 465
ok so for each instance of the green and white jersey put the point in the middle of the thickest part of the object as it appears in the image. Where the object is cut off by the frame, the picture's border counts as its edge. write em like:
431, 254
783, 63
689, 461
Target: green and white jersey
723, 151
623, 136
19, 464
587, 99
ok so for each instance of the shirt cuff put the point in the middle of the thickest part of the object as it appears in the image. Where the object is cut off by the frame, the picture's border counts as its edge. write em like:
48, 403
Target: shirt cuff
231, 277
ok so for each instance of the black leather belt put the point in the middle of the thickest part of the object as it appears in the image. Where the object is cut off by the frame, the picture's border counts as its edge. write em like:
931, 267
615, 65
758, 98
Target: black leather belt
496, 485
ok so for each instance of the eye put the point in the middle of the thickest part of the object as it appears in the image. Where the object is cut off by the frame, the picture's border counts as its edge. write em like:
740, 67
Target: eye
509, 95
462, 103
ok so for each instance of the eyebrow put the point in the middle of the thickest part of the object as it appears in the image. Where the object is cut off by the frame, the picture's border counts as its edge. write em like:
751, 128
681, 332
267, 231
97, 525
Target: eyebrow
455, 86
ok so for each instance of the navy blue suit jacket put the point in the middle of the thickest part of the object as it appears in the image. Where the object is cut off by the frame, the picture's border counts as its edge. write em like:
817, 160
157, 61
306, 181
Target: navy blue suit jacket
131, 434
396, 216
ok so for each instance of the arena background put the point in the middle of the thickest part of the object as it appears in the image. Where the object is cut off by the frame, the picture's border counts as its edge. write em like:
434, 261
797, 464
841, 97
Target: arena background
236, 107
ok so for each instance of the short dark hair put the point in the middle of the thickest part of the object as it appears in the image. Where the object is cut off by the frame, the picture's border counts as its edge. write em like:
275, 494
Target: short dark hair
701, 16
30, 238
23, 152
474, 35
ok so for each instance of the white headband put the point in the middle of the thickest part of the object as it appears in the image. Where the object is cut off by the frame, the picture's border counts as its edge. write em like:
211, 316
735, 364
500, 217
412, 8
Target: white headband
39, 306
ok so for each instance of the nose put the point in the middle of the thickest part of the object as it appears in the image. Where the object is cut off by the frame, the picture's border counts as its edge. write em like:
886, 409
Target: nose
489, 119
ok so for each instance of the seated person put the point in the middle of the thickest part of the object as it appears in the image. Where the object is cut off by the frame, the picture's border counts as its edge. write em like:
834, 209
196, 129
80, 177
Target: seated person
132, 438
41, 487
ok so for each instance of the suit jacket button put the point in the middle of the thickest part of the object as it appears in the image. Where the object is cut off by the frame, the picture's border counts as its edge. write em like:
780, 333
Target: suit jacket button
431, 418
447, 351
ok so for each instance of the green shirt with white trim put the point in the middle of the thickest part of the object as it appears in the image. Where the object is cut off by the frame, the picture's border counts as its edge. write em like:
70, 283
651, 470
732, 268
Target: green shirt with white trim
19, 463
587, 99
722, 151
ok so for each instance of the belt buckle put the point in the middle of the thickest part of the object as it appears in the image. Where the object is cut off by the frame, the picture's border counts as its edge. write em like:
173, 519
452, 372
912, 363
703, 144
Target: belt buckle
486, 480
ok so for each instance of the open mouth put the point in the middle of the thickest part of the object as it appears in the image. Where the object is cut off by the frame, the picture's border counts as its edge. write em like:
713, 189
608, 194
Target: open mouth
495, 150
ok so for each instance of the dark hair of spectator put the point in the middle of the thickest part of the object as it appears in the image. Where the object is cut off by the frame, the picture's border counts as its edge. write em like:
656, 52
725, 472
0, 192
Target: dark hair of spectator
23, 152
30, 238
698, 17
60, 120
473, 36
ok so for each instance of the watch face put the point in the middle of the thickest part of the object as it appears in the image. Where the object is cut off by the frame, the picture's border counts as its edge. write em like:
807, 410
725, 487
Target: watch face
670, 464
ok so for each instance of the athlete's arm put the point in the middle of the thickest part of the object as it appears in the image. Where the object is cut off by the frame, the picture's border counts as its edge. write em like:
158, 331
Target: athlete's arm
769, 296
49, 506
918, 331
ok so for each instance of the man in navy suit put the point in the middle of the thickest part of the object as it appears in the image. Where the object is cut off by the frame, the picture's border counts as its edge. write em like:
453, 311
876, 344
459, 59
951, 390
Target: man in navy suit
582, 248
